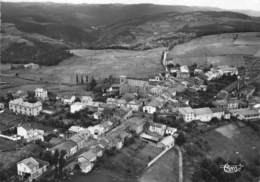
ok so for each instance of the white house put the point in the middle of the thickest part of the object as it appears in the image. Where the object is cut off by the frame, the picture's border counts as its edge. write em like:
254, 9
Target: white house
76, 107
170, 130
184, 69
218, 113
26, 108
31, 168
69, 101
149, 109
167, 142
41, 93
187, 114
28, 132
203, 114
76, 129
86, 166
157, 128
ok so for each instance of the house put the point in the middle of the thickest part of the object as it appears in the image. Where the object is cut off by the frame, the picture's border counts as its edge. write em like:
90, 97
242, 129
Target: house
227, 70
97, 115
80, 139
86, 166
167, 142
248, 114
157, 128
76, 107
157, 90
21, 107
245, 114
69, 101
69, 146
203, 114
136, 124
170, 130
149, 138
149, 109
29, 132
41, 93
90, 156
31, 168
153, 105
32, 66
184, 69
2, 105
182, 75
86, 99
116, 102
134, 105
217, 113
76, 129
187, 114
247, 92
232, 103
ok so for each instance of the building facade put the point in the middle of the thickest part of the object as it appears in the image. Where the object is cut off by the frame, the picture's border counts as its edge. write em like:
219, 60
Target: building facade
41, 93
21, 107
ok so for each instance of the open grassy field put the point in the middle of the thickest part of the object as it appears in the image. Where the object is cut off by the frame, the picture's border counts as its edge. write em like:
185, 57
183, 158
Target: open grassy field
8, 119
217, 49
164, 170
102, 63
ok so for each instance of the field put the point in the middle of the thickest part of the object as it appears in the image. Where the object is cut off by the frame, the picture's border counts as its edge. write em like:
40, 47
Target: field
164, 170
102, 63
97, 63
8, 119
217, 49
229, 142
125, 166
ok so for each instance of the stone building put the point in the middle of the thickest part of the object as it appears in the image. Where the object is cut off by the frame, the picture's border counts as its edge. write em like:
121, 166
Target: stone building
133, 85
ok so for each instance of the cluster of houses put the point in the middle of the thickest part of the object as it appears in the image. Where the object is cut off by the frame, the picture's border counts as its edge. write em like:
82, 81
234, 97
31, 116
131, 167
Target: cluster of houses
149, 96
219, 71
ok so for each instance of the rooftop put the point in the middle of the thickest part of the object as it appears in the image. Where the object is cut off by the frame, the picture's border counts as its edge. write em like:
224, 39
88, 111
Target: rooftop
201, 111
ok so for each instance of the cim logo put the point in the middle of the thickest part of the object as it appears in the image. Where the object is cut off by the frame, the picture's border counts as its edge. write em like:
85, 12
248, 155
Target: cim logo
232, 168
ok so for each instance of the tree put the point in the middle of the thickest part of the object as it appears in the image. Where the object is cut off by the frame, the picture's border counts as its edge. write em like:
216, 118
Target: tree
93, 83
31, 97
180, 140
155, 117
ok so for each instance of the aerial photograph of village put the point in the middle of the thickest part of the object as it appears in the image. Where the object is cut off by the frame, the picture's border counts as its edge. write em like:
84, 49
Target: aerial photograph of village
130, 91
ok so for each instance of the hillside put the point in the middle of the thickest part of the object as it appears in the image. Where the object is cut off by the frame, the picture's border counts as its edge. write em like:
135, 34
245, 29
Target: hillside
218, 49
173, 28
20, 47
138, 26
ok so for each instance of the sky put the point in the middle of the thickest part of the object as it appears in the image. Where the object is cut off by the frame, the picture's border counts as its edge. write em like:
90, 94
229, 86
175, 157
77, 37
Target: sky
224, 4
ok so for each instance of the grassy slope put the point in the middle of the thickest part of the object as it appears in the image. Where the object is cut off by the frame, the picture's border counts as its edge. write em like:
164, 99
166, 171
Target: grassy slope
20, 47
217, 49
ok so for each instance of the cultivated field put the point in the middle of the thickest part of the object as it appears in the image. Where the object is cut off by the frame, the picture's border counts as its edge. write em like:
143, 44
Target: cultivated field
217, 49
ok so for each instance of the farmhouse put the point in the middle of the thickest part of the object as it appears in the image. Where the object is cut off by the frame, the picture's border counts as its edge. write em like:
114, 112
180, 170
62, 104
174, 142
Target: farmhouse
166, 142
21, 107
31, 168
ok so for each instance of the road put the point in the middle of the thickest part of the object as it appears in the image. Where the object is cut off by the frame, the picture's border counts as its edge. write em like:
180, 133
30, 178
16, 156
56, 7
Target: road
180, 164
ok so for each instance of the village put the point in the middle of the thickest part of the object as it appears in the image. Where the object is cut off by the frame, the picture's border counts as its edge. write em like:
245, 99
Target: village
75, 131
